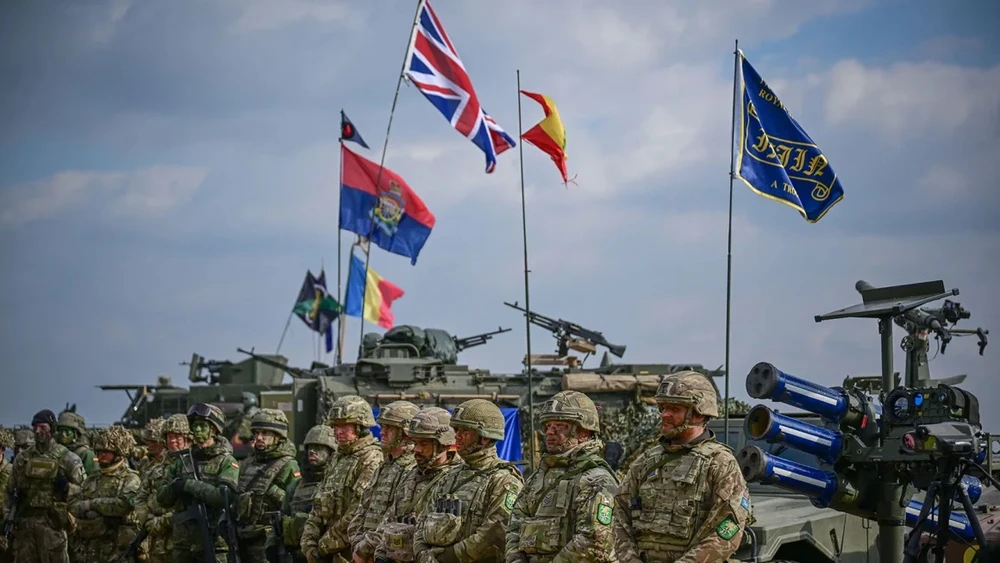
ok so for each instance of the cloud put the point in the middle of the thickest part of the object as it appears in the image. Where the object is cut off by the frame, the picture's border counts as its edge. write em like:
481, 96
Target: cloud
260, 15
139, 193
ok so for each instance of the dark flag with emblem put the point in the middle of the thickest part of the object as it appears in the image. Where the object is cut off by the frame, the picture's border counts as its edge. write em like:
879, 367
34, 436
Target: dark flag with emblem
777, 158
348, 132
316, 307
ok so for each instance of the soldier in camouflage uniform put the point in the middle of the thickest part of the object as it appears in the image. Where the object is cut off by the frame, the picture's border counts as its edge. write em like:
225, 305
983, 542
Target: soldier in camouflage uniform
471, 504
152, 437
6, 441
397, 450
71, 431
435, 450
24, 438
104, 503
264, 478
685, 498
351, 471
43, 477
320, 443
565, 511
149, 515
219, 476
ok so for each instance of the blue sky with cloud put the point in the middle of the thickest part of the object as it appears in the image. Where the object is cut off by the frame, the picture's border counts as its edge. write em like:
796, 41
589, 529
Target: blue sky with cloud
168, 171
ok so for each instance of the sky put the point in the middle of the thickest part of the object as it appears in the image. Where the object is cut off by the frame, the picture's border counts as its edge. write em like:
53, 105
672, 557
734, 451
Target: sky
169, 171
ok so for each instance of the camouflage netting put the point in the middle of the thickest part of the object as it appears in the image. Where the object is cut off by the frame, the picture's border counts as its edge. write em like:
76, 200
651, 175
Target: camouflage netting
6, 438
115, 439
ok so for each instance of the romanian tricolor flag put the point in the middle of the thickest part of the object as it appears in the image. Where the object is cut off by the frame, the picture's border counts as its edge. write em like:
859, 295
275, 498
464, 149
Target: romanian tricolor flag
548, 134
375, 293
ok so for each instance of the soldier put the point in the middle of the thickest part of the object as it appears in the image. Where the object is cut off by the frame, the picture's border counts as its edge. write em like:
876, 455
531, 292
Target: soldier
24, 438
472, 503
152, 437
436, 454
42, 479
264, 479
565, 511
217, 479
243, 432
351, 471
149, 515
6, 441
685, 498
320, 443
71, 431
105, 501
397, 450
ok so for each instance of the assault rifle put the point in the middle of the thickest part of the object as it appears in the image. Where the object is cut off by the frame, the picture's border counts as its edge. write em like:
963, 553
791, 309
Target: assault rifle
565, 332
279, 533
478, 339
196, 510
8, 523
229, 524
132, 551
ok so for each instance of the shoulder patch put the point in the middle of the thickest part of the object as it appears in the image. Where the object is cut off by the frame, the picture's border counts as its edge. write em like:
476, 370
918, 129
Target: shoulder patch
727, 528
234, 464
509, 499
604, 513
745, 501
297, 474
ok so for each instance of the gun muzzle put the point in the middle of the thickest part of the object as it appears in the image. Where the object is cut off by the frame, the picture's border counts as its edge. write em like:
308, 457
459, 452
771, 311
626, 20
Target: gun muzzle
760, 467
957, 522
764, 424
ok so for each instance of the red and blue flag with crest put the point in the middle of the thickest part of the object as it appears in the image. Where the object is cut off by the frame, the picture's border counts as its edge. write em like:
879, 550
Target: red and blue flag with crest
435, 68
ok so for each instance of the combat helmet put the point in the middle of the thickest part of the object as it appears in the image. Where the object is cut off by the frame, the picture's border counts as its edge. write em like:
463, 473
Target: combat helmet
115, 439
433, 423
6, 439
177, 424
351, 409
24, 438
249, 400
272, 420
571, 406
153, 432
397, 413
210, 413
321, 435
689, 388
69, 419
480, 415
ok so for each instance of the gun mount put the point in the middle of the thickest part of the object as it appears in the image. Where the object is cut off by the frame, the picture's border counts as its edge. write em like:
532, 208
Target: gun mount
569, 336
872, 455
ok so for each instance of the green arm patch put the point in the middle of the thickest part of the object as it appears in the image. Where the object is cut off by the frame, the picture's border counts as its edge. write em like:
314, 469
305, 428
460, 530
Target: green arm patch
727, 528
604, 514
509, 500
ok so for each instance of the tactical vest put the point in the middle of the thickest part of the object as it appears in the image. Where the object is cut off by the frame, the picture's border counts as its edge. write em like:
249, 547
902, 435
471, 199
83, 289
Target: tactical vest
40, 472
669, 504
112, 529
209, 469
461, 504
384, 489
340, 478
416, 484
549, 522
252, 502
302, 499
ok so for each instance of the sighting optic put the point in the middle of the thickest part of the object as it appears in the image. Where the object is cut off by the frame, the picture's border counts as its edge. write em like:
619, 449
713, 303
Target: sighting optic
872, 455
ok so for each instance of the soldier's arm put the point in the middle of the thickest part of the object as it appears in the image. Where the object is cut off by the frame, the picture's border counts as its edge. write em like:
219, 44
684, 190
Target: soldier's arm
90, 464
72, 468
355, 530
165, 495
719, 537
212, 495
366, 469
490, 533
592, 539
121, 504
512, 540
278, 491
314, 526
625, 546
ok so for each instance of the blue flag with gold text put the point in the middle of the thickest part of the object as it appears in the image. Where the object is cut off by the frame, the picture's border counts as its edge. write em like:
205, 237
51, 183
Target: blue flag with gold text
777, 159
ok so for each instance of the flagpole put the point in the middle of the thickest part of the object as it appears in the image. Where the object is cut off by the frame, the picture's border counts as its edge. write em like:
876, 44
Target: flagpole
729, 252
527, 301
287, 324
340, 252
381, 165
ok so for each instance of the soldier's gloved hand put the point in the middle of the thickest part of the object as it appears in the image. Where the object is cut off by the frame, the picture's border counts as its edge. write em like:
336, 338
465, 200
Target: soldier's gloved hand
446, 554
177, 485
3, 544
314, 557
81, 508
516, 557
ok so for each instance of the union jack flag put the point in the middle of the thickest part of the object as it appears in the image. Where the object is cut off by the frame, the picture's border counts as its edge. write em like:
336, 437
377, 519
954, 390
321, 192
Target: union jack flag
435, 68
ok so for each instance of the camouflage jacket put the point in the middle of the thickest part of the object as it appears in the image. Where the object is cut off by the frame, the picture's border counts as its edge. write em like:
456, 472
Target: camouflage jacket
87, 457
264, 478
157, 520
564, 513
102, 508
411, 499
682, 503
47, 475
350, 471
298, 504
5, 469
486, 488
218, 470
375, 502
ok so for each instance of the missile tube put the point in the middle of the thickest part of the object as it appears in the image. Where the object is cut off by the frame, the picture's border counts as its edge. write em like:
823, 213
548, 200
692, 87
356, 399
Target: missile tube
763, 423
768, 382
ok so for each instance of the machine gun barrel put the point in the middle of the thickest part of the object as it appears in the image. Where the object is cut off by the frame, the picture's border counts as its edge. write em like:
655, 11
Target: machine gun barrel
477, 339
563, 330
294, 372
762, 423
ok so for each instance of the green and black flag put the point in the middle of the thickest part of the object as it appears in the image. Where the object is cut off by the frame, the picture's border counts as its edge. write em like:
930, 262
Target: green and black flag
316, 307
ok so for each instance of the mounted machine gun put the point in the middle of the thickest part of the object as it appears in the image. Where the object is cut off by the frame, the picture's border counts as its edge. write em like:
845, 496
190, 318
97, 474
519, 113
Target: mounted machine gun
569, 336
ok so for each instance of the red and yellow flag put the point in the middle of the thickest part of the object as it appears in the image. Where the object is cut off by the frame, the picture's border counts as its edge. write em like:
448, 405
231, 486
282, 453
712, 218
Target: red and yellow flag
548, 134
